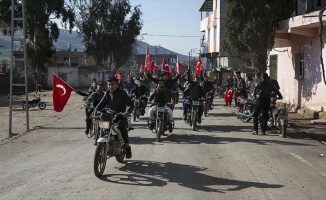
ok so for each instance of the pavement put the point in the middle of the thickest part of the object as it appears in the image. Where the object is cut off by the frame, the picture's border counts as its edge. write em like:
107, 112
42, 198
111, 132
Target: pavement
299, 126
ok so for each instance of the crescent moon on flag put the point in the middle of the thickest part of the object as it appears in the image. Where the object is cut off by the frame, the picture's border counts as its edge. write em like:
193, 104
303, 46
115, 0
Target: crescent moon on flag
63, 88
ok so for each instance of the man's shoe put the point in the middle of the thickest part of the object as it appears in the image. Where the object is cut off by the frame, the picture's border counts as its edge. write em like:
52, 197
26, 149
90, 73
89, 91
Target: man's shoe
255, 132
170, 127
226, 105
128, 152
131, 128
184, 117
151, 125
86, 132
199, 120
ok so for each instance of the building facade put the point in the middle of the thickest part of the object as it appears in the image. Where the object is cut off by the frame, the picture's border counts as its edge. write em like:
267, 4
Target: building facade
296, 58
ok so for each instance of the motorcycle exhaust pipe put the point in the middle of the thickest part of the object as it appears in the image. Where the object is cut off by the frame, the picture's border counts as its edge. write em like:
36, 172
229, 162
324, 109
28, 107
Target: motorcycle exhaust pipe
243, 115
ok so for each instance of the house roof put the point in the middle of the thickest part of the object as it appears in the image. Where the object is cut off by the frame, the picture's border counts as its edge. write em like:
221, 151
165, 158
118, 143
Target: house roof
207, 6
89, 69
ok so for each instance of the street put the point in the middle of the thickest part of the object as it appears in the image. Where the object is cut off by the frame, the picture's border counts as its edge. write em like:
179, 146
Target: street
222, 160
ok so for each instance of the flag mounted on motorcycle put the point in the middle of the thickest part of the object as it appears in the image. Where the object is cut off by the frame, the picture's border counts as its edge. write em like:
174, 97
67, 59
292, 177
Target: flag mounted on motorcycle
60, 93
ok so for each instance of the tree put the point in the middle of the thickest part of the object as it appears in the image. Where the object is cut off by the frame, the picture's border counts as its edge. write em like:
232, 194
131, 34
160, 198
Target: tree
110, 29
41, 30
250, 27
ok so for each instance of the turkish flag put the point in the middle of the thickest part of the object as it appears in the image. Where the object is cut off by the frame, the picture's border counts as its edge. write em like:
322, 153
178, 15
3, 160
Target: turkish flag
165, 67
118, 75
141, 69
148, 61
60, 93
178, 66
155, 67
198, 67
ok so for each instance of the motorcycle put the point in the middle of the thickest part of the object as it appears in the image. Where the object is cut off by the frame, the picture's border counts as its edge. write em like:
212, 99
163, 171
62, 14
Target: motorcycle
278, 118
94, 130
208, 103
110, 142
138, 102
35, 102
192, 113
161, 122
246, 107
176, 96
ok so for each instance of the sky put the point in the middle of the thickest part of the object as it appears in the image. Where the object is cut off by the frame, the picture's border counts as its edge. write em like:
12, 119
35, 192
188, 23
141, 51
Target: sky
178, 20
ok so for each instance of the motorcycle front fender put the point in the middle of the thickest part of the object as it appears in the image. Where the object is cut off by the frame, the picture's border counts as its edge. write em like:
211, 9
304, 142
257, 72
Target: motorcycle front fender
102, 140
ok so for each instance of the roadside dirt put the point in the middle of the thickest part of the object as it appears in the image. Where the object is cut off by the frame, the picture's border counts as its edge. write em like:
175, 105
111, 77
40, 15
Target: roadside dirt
37, 117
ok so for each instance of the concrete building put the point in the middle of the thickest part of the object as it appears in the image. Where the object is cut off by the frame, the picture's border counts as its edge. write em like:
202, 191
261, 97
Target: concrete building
296, 59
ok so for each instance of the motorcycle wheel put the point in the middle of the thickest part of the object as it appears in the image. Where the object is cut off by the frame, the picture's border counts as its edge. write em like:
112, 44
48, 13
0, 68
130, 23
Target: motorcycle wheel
96, 133
42, 105
245, 110
206, 107
194, 123
282, 130
24, 105
159, 131
100, 159
135, 114
119, 158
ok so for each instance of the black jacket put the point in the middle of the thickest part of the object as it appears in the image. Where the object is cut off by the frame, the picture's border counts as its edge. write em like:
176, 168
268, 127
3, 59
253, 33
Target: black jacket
119, 103
264, 89
168, 83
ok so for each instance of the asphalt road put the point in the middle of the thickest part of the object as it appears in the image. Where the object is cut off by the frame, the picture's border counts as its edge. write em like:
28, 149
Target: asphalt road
221, 160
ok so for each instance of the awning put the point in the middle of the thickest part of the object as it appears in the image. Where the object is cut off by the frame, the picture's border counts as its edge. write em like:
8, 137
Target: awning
207, 6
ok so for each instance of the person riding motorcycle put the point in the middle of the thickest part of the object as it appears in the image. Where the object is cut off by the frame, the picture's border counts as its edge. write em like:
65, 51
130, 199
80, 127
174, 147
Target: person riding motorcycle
195, 93
118, 100
208, 86
168, 81
164, 97
140, 91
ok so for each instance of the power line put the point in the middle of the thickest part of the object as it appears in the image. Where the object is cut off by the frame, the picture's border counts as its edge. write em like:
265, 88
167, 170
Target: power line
193, 36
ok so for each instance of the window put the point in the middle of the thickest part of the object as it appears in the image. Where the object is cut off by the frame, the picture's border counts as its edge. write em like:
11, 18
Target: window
299, 66
273, 59
63, 76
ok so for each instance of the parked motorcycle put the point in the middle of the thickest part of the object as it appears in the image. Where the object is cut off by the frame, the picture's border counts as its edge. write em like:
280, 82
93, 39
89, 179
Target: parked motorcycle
278, 117
35, 102
246, 107
110, 142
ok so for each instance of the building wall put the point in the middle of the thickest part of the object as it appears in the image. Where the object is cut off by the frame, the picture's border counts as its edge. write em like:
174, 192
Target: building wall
72, 75
308, 92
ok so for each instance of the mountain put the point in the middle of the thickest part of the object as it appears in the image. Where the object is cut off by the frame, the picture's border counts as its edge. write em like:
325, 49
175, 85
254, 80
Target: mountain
74, 40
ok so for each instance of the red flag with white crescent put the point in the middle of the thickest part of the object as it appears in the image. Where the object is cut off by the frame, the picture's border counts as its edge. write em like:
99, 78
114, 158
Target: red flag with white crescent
60, 93
148, 61
165, 67
198, 67
118, 75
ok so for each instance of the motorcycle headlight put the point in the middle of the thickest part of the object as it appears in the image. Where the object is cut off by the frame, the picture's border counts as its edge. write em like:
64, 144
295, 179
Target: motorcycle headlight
105, 125
283, 112
160, 109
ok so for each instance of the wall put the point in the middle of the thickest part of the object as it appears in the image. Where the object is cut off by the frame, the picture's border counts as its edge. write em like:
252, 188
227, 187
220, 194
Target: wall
310, 91
72, 75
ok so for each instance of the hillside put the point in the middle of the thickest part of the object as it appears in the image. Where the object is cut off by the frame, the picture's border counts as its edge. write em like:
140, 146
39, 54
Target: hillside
74, 41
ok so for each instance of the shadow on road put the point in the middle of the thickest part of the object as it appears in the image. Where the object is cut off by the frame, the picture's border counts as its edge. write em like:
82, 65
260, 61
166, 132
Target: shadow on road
189, 176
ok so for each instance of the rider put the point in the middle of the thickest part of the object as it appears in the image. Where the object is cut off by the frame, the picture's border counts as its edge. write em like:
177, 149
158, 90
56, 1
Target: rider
167, 78
161, 96
140, 91
118, 100
262, 94
208, 86
196, 93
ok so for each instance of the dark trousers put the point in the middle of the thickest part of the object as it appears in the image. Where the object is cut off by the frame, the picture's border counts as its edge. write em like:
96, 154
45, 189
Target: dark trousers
186, 107
88, 112
262, 106
123, 123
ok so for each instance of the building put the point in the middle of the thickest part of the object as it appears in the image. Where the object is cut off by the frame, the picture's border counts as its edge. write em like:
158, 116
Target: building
296, 59
212, 26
